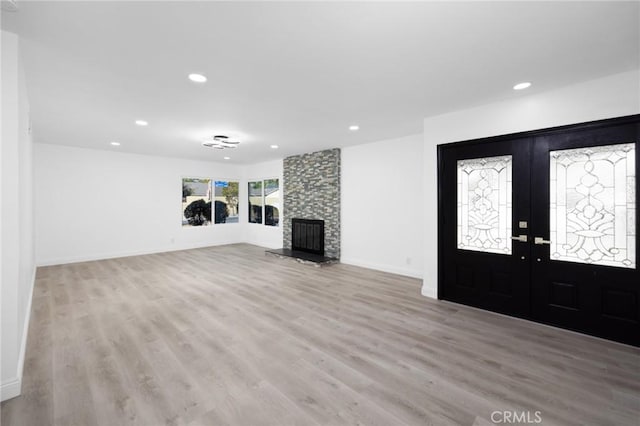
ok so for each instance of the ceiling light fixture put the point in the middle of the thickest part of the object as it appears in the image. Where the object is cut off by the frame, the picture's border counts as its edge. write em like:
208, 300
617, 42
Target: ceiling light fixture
227, 158
354, 128
142, 123
220, 142
197, 78
521, 86
115, 143
274, 147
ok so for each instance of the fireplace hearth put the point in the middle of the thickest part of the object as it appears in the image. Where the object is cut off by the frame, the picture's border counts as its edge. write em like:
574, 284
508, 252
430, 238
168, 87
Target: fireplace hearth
307, 242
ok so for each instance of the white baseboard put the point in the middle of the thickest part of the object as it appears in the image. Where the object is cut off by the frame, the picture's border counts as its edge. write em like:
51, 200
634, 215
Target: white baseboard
264, 244
104, 256
429, 291
10, 389
13, 387
384, 268
25, 331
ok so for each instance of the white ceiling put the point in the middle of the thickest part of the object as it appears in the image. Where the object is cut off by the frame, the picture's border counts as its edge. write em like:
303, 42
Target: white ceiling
296, 74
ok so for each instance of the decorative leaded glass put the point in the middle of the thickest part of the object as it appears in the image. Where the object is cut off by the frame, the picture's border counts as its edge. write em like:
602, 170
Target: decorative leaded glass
484, 204
593, 205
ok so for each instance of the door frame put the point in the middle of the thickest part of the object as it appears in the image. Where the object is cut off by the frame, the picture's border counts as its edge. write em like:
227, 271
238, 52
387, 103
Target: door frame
558, 130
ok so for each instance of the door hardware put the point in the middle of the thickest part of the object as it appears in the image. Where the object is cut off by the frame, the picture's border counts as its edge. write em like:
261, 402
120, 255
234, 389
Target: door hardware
540, 240
522, 238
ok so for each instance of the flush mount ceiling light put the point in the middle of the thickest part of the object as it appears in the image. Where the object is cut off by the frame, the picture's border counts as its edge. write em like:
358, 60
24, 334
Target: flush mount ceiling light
274, 146
115, 143
354, 128
197, 78
142, 123
227, 158
220, 142
521, 86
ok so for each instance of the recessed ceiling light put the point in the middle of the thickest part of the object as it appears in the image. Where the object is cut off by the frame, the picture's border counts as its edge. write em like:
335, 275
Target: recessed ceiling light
115, 143
521, 86
227, 158
354, 128
274, 147
197, 78
141, 123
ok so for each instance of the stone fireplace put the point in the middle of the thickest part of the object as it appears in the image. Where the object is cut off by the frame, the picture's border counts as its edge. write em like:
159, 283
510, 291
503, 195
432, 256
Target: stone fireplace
311, 191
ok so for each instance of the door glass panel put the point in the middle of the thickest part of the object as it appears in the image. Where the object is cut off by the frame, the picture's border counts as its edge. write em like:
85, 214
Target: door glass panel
484, 204
593, 205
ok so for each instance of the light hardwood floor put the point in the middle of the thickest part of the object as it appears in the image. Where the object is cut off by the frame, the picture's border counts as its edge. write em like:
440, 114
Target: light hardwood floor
229, 336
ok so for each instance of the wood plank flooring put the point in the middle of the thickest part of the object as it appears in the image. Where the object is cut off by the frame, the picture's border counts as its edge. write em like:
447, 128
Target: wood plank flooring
229, 336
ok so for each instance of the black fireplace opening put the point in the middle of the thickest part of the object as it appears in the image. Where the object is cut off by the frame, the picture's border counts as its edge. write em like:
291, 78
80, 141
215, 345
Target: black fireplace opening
307, 235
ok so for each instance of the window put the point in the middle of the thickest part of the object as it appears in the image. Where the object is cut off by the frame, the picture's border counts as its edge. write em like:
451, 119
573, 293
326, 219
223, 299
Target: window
272, 202
264, 193
226, 201
196, 202
255, 202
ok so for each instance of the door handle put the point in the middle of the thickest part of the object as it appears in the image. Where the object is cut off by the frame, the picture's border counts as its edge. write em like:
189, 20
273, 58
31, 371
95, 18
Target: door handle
522, 238
540, 240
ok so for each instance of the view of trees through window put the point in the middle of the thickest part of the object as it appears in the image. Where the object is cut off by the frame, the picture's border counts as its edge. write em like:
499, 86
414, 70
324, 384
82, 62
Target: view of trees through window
226, 201
196, 202
207, 201
264, 193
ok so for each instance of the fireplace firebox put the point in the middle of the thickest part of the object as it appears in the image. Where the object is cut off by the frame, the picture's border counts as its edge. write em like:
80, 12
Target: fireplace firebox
307, 235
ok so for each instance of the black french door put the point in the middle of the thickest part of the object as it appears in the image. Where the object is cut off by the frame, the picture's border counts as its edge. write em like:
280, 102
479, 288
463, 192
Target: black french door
482, 267
542, 225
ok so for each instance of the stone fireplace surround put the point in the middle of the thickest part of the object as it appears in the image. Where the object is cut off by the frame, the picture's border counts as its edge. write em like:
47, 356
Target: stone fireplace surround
311, 190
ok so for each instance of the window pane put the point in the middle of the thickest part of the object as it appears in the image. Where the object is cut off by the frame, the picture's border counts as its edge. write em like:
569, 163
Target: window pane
255, 202
271, 202
196, 202
484, 204
593, 205
226, 202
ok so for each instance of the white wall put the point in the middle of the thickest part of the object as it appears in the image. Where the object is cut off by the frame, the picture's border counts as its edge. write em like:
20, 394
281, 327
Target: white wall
93, 204
381, 206
261, 235
613, 96
17, 248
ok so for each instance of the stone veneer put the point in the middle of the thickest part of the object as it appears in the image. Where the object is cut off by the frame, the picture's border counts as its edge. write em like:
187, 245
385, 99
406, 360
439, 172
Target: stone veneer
311, 190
